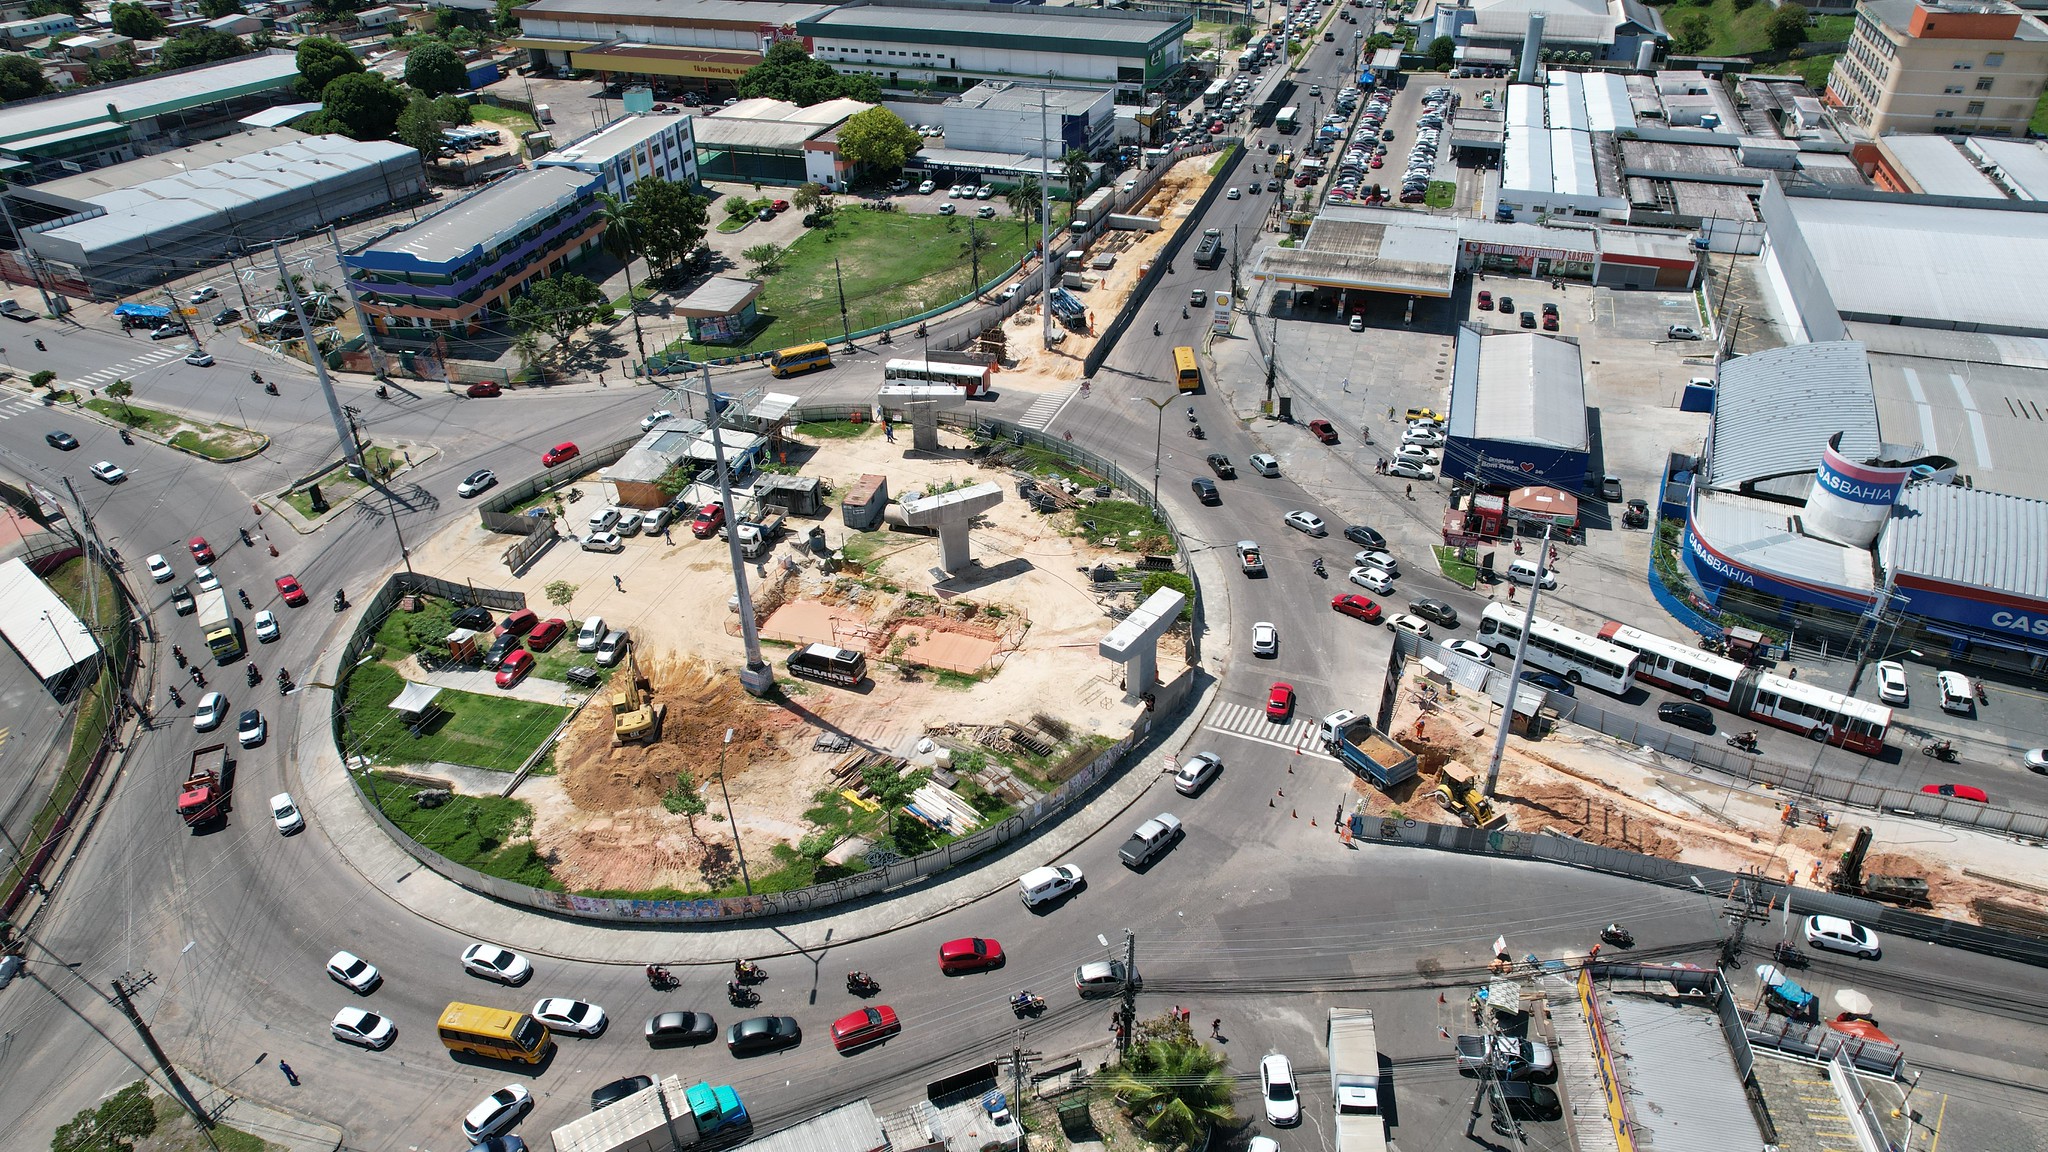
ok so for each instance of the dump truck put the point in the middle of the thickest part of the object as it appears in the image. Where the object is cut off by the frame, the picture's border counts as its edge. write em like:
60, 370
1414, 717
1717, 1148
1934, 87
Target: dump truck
208, 790
636, 718
756, 538
662, 1118
1248, 555
1464, 798
1355, 1081
1364, 749
218, 624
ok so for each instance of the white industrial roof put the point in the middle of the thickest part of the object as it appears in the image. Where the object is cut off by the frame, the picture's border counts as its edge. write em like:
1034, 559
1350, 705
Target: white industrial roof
1689, 1096
1083, 30
1774, 411
764, 12
1976, 398
1526, 387
2021, 166
476, 221
1969, 536
41, 628
613, 140
1931, 265
136, 99
1764, 535
1582, 21
1940, 168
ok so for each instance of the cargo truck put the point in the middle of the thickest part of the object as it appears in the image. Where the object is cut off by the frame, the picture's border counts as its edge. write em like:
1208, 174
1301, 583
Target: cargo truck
845, 667
208, 790
662, 1118
218, 624
757, 538
1365, 750
1355, 1081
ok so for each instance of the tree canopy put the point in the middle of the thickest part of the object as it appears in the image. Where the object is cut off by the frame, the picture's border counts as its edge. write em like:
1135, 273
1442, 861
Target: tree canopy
215, 9
362, 106
136, 22
419, 127
1787, 27
789, 73
321, 61
668, 219
559, 306
200, 46
21, 78
877, 138
435, 69
1442, 51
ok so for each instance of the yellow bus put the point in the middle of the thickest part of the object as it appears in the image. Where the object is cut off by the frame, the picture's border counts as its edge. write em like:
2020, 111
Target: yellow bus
1186, 370
499, 1033
802, 358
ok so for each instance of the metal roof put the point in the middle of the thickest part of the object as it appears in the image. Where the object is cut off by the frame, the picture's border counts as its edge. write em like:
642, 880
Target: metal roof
1939, 167
718, 296
2019, 166
1973, 265
140, 99
1969, 536
161, 165
1774, 411
1379, 249
477, 221
39, 626
847, 1128
1674, 1061
747, 13
1579, 21
616, 139
1525, 387
1978, 399
1082, 31
1015, 96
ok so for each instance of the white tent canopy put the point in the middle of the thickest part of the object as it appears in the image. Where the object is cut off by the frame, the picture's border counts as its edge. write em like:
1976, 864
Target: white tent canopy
416, 699
41, 628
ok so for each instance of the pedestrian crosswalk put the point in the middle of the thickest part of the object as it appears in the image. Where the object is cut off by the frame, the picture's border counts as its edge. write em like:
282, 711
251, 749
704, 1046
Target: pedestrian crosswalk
1044, 409
128, 367
15, 405
1252, 723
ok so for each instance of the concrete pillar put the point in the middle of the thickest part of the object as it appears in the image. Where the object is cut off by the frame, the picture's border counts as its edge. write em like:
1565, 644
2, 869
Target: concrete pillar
924, 424
951, 514
1134, 643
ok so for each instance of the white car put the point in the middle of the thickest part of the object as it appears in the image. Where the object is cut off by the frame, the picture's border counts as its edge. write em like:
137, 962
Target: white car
2036, 759
1891, 682
159, 569
208, 582
986, 191
1415, 626
1049, 883
1470, 649
1428, 437
266, 626
252, 731
204, 294
655, 417
956, 191
213, 708
1195, 772
1838, 935
1307, 522
1376, 558
286, 813
497, 1114
925, 189
1276, 1084
1418, 453
199, 359
603, 542
1265, 639
358, 1026
477, 481
1233, 194
576, 1017
494, 963
1411, 470
354, 972
106, 470
1373, 580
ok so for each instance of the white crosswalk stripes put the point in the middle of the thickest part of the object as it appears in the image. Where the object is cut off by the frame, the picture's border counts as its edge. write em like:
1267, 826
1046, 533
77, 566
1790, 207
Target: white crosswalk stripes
1251, 723
1045, 408
128, 367
14, 406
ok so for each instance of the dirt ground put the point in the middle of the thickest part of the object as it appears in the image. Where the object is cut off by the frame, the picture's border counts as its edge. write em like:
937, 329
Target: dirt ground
1027, 620
1584, 785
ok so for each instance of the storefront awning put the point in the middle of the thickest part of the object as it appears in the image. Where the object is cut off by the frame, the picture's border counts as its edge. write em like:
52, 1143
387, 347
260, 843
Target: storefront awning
1544, 506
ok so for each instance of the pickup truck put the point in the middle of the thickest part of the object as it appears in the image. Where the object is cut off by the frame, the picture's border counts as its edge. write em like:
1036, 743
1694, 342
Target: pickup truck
14, 311
1248, 555
182, 602
1151, 840
1511, 1058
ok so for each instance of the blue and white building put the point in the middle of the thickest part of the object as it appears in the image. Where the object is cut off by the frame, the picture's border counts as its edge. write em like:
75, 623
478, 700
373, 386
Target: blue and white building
631, 149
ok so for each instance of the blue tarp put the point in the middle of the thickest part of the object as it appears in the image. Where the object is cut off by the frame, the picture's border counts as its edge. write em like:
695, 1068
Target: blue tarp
144, 311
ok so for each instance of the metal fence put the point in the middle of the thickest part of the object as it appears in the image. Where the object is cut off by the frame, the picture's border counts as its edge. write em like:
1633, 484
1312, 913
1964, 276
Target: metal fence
495, 511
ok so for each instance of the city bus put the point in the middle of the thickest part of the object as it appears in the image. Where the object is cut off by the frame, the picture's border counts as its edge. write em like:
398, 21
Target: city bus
1807, 709
498, 1033
973, 378
1703, 676
1186, 371
802, 358
1288, 120
1575, 656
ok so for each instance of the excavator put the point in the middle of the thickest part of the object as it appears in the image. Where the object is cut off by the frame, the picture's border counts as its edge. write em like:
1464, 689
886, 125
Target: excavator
636, 718
1464, 798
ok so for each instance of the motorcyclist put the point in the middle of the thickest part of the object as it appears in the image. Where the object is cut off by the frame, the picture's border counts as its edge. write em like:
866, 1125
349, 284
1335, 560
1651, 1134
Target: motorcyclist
126, 438
255, 675
178, 654
1155, 329
256, 377
270, 388
1319, 566
40, 348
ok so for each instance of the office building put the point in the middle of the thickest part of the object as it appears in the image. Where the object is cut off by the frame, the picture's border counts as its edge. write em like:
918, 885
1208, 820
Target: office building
1958, 66
631, 149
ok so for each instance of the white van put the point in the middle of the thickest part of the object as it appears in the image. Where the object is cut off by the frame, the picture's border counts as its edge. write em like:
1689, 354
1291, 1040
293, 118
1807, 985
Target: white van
1956, 693
591, 635
1524, 572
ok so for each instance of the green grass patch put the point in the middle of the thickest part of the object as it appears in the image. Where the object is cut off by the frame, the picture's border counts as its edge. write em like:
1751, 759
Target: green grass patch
554, 664
1223, 159
1133, 526
491, 732
336, 484
1440, 194
1456, 567
1731, 32
487, 833
506, 117
213, 441
835, 429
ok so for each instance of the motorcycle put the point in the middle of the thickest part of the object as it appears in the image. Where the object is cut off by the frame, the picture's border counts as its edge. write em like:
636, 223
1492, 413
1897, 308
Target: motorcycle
1155, 329
245, 598
741, 995
340, 601
40, 348
861, 984
748, 972
247, 540
1197, 432
255, 677
1743, 742
660, 979
126, 438
383, 393
284, 685
1618, 936
1788, 955
1941, 750
1983, 697
1320, 570
178, 654
256, 377
1026, 1004
177, 701
270, 388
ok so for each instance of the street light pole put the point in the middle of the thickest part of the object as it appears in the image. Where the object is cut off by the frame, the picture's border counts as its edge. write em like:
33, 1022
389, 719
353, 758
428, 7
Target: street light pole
1158, 442
738, 850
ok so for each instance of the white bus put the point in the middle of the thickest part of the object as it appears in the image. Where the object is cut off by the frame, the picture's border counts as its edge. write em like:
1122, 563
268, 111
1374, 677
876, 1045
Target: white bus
1213, 98
971, 378
1707, 678
1577, 657
1288, 120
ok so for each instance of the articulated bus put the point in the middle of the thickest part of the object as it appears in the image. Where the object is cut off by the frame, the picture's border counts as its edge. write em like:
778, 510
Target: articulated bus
1187, 371
498, 1033
970, 377
1807, 709
1575, 656
802, 358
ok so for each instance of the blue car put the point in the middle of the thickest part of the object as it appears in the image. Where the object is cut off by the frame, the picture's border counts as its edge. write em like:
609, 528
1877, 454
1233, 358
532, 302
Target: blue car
1550, 680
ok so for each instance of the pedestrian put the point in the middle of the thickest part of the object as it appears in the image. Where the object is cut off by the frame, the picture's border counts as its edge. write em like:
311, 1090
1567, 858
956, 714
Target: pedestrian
289, 1075
1216, 1028
1594, 954
1411, 491
1443, 1032
668, 535
618, 584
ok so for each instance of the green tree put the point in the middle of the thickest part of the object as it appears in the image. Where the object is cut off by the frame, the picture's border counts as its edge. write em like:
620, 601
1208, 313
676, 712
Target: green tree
435, 69
1786, 27
1240, 35
622, 240
364, 105
111, 69
1074, 169
559, 593
508, 15
1690, 32
322, 61
454, 110
807, 196
1442, 51
738, 206
21, 78
877, 139
419, 127
121, 390
136, 22
199, 46
52, 7
1173, 1085
766, 259
42, 379
114, 1126
1024, 200
1744, 5
215, 9
686, 799
891, 788
787, 72
526, 346
560, 306
669, 221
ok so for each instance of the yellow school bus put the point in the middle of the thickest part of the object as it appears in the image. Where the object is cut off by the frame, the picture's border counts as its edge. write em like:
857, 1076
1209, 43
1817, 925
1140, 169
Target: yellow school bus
1185, 370
498, 1033
802, 358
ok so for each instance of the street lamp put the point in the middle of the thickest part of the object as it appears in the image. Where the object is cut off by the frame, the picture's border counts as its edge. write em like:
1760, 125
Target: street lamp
1158, 441
738, 850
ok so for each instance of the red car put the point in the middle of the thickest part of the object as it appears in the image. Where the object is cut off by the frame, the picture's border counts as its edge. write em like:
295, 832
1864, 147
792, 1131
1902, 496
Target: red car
709, 517
1485, 301
560, 452
1958, 792
780, 205
1550, 321
518, 662
1356, 606
1323, 430
201, 550
969, 954
546, 633
518, 623
288, 587
485, 388
1280, 701
865, 1027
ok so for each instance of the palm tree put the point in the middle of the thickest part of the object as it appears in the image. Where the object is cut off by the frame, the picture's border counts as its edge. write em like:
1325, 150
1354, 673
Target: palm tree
1074, 166
1024, 201
1172, 1085
622, 240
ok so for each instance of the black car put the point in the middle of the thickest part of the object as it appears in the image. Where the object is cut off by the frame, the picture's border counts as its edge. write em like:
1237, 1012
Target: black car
1550, 680
1528, 319
1205, 490
182, 602
1221, 465
478, 618
618, 1090
1435, 611
1507, 305
1637, 515
226, 316
763, 1034
1365, 537
1686, 714
1528, 1101
61, 441
500, 648
668, 1029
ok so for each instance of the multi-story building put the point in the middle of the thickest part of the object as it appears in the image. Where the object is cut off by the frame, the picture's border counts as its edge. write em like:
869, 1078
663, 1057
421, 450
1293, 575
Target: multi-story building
999, 116
1954, 66
459, 268
631, 149
691, 45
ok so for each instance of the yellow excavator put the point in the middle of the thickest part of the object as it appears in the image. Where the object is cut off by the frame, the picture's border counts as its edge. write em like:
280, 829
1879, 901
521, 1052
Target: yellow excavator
636, 718
1464, 798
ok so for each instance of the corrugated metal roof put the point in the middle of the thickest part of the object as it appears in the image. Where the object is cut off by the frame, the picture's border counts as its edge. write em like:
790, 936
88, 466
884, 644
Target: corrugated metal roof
140, 99
1983, 267
1761, 535
1977, 399
1969, 536
1675, 1063
1940, 168
1086, 31
1774, 411
1579, 21
1531, 388
2021, 165
40, 626
503, 208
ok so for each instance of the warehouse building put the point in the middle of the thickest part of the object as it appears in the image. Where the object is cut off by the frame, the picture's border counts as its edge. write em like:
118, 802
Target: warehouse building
121, 230
1028, 120
631, 149
1556, 160
683, 45
1619, 30
776, 142
1518, 413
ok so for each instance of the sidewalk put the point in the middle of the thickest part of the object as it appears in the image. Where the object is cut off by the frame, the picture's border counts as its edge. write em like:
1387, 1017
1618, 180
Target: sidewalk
264, 1121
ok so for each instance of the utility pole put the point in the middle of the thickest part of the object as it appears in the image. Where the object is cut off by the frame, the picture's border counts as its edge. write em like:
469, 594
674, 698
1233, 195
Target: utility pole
1045, 219
163, 1062
377, 363
178, 317
1507, 710
1127, 1015
758, 677
1272, 359
1158, 442
1745, 906
342, 432
845, 328
35, 266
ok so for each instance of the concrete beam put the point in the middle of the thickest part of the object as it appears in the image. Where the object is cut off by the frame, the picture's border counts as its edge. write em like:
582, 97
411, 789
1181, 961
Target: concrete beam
950, 514
1134, 642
